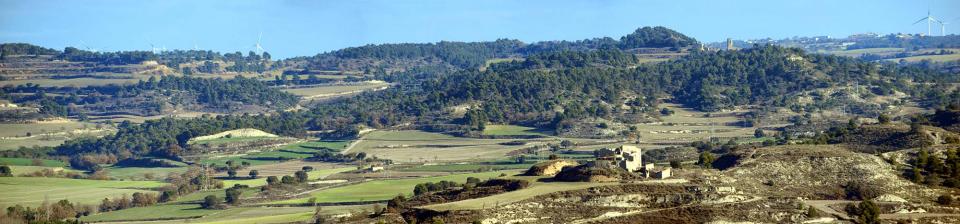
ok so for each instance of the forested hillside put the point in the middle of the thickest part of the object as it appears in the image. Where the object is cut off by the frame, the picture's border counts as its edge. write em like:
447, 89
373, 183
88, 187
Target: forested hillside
552, 90
152, 96
472, 55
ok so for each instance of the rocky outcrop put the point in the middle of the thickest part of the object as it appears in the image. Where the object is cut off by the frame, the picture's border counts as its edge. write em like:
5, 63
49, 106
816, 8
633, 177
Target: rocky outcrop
596, 171
550, 168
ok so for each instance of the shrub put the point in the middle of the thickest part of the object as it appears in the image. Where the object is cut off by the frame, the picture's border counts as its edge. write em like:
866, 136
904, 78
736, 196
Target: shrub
945, 200
869, 213
5, 171
675, 164
861, 191
233, 195
884, 119
706, 160
272, 180
301, 176
209, 202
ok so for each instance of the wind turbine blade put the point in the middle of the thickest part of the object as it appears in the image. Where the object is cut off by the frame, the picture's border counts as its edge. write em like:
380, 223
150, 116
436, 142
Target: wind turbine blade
921, 20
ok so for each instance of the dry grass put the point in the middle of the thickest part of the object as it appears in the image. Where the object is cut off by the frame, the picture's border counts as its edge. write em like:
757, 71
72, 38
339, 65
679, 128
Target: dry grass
419, 146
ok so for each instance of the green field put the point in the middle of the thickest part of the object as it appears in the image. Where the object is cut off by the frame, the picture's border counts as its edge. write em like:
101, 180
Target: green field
495, 129
29, 162
43, 134
383, 189
535, 189
20, 130
299, 150
32, 191
466, 167
138, 173
165, 211
313, 175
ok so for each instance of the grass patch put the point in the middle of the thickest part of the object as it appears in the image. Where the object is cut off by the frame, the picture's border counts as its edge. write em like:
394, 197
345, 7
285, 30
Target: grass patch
512, 130
32, 191
420, 146
383, 189
293, 151
20, 170
165, 211
29, 162
312, 175
139, 173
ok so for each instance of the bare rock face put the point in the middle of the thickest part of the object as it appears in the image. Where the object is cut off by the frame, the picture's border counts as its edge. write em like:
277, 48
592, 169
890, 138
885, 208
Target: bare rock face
549, 168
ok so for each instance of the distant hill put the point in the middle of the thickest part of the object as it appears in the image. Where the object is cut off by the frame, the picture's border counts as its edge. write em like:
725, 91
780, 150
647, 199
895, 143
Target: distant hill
472, 55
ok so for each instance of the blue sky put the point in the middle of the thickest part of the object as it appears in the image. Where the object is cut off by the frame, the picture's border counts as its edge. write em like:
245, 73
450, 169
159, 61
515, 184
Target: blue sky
302, 28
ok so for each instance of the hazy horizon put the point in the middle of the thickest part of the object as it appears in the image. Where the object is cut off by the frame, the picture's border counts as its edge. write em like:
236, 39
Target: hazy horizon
304, 28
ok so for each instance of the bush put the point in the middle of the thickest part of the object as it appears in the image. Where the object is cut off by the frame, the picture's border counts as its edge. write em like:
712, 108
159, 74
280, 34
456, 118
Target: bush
675, 164
945, 200
272, 180
706, 160
861, 191
884, 119
209, 202
233, 195
5, 171
869, 213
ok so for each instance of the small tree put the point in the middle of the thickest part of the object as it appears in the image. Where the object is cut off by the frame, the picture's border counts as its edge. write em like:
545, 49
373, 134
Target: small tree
301, 176
706, 160
758, 133
5, 171
566, 143
812, 212
288, 180
211, 201
232, 173
675, 164
272, 180
420, 189
254, 174
233, 195
883, 118
869, 213
553, 157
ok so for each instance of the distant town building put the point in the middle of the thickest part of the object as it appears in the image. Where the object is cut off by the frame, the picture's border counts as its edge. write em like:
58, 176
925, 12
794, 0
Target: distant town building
627, 157
730, 44
375, 168
662, 174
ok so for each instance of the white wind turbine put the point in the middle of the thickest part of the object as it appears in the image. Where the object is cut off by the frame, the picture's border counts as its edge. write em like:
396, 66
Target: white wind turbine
930, 20
943, 28
258, 47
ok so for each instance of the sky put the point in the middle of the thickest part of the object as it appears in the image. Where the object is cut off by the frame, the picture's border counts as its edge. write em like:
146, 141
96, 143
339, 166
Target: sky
304, 28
